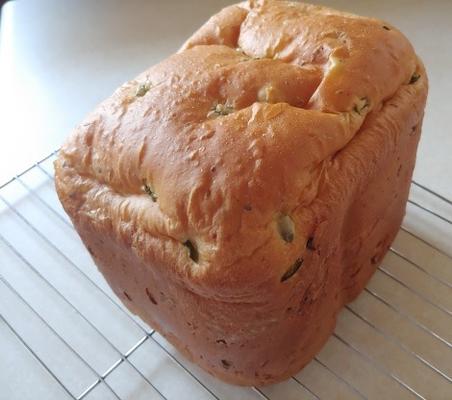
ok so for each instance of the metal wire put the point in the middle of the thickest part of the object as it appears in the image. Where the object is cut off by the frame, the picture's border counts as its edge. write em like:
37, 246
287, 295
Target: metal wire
29, 169
398, 343
149, 335
125, 357
36, 357
260, 393
414, 321
446, 200
402, 228
54, 332
423, 270
305, 387
392, 276
348, 384
414, 203
378, 366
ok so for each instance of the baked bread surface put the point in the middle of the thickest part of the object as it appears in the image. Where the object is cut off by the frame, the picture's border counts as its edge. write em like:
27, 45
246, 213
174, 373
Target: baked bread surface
236, 195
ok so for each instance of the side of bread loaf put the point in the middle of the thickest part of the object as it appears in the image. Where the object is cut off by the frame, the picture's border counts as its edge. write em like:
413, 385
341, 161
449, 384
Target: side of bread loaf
238, 194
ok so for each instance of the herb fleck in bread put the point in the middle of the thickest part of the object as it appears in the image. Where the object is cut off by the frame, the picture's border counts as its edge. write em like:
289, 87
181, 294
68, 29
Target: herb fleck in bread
238, 194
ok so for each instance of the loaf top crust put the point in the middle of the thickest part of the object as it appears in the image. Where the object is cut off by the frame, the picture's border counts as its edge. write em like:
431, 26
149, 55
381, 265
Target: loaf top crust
219, 152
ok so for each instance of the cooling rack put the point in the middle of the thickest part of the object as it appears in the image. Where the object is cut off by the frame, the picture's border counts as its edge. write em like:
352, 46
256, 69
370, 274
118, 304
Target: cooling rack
64, 335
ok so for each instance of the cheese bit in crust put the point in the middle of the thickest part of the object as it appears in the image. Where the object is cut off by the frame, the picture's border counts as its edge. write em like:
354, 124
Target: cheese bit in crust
362, 106
414, 78
147, 188
220, 110
142, 89
192, 250
292, 270
286, 228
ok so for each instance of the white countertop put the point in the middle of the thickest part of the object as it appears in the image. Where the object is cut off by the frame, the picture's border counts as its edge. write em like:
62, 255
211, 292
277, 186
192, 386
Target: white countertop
59, 58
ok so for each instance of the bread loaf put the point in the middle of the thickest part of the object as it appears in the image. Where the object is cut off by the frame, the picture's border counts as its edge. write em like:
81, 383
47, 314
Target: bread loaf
236, 195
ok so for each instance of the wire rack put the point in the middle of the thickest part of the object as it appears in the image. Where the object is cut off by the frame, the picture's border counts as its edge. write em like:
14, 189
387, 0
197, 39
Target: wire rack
63, 333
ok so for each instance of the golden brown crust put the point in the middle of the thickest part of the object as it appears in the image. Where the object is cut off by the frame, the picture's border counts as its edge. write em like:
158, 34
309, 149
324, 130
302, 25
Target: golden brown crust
245, 188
